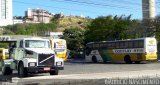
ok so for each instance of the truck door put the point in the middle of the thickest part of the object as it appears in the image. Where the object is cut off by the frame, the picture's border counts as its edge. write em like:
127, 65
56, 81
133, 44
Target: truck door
20, 50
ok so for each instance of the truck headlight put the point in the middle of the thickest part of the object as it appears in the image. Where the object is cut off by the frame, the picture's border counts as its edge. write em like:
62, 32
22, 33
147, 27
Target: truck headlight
58, 63
32, 64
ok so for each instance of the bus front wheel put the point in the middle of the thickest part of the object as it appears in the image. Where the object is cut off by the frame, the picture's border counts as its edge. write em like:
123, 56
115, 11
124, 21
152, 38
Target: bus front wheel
127, 59
94, 59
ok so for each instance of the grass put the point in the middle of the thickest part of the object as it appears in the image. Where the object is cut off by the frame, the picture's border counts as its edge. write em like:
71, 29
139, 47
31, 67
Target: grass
72, 22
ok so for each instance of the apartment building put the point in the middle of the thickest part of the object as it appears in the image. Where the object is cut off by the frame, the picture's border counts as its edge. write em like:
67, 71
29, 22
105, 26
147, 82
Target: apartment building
38, 15
6, 12
149, 9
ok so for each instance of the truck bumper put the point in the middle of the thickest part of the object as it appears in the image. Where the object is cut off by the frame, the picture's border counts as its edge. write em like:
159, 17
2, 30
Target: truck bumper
43, 69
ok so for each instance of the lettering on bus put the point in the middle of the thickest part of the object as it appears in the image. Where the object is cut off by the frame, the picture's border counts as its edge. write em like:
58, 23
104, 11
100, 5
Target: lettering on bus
120, 51
151, 46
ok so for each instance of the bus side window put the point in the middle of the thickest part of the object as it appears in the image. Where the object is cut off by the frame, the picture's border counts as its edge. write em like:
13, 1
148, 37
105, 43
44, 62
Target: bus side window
105, 45
130, 44
141, 44
117, 44
110, 45
121, 45
113, 44
135, 44
97, 45
93, 46
126, 44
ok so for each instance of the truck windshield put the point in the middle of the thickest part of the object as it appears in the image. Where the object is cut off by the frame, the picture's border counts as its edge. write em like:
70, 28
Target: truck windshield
37, 44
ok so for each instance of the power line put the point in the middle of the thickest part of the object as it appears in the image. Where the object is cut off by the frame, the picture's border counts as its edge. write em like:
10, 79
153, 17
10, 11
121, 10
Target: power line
55, 7
91, 4
123, 2
96, 4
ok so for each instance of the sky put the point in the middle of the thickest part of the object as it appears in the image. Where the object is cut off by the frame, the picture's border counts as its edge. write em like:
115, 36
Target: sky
91, 8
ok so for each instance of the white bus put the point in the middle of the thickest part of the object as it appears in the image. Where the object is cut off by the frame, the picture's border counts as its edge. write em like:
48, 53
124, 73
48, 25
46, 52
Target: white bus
60, 48
131, 50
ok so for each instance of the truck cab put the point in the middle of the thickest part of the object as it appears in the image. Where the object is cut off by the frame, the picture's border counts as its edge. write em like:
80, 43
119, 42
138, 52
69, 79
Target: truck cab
32, 55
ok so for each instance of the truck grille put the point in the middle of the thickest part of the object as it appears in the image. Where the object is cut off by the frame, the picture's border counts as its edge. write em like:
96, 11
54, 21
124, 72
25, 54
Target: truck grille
45, 60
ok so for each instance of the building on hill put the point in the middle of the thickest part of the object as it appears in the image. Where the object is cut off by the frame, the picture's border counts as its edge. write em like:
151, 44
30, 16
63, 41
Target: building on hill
38, 15
18, 20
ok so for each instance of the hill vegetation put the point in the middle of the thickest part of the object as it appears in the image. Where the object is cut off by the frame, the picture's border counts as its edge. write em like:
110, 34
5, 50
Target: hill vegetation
72, 22
56, 25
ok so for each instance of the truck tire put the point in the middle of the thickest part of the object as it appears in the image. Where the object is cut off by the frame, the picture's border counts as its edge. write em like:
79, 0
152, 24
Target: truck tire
54, 72
22, 71
6, 70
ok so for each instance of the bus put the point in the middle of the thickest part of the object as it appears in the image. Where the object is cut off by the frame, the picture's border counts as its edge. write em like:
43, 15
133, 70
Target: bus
4, 54
60, 48
130, 50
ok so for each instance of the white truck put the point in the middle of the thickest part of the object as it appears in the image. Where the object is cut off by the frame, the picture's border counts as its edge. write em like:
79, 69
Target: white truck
32, 55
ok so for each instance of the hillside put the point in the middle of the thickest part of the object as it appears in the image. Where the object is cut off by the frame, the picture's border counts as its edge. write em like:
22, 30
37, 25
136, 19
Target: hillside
72, 22
57, 24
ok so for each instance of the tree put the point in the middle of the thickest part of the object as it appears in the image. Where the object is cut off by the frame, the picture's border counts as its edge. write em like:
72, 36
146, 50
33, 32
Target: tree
109, 28
75, 41
31, 29
74, 38
157, 28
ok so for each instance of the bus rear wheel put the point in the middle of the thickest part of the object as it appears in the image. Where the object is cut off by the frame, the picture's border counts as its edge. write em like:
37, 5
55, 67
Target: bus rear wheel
127, 59
137, 62
94, 59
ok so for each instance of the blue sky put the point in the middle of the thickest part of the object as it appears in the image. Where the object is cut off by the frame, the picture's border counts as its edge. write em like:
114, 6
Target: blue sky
91, 8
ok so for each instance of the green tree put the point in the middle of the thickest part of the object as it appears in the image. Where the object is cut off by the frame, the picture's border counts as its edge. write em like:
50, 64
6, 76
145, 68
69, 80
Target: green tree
31, 29
109, 28
74, 38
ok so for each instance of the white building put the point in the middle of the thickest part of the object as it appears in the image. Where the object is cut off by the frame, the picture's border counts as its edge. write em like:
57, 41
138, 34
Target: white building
18, 21
6, 12
38, 15
149, 9
55, 35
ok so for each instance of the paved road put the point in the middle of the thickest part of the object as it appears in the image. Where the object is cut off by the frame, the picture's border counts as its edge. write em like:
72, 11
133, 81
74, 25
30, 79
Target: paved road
83, 68
79, 67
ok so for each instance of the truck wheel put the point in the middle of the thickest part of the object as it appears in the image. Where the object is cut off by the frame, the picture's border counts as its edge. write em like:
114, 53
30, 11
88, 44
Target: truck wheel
6, 70
54, 72
94, 59
22, 71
